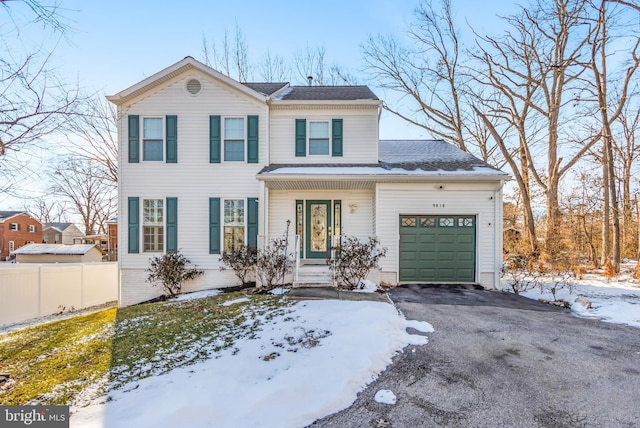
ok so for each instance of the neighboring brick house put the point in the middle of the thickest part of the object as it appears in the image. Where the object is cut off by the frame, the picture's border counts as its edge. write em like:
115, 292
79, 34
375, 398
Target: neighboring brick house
17, 228
112, 238
62, 233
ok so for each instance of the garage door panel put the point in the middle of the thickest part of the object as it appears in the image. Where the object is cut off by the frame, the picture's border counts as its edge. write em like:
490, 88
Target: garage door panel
442, 252
465, 239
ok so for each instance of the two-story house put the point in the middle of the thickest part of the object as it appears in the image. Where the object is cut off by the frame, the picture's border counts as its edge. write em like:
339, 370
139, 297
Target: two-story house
17, 228
207, 164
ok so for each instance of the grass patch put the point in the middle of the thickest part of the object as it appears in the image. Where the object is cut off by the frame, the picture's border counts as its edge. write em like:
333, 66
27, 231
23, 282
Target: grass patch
155, 338
51, 363
54, 363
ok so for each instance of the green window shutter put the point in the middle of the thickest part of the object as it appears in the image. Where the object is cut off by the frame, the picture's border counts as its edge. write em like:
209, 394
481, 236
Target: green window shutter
134, 138
172, 139
172, 225
252, 222
301, 137
336, 137
252, 139
214, 225
214, 139
134, 225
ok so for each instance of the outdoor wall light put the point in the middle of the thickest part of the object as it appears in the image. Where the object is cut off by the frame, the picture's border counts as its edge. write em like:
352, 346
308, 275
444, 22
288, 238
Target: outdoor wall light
352, 208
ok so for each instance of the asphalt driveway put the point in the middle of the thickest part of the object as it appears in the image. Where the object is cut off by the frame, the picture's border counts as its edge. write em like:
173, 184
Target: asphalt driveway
500, 360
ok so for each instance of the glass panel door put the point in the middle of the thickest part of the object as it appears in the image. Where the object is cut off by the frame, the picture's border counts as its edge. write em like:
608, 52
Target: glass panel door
318, 229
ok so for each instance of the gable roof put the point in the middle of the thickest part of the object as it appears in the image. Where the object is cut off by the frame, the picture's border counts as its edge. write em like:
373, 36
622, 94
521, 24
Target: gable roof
60, 227
262, 91
186, 64
4, 215
58, 249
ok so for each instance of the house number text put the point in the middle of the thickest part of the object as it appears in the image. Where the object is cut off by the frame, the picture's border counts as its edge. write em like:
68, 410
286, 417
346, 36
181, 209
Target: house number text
438, 205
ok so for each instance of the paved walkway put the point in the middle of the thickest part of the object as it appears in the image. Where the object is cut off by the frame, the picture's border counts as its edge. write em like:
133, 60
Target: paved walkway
320, 293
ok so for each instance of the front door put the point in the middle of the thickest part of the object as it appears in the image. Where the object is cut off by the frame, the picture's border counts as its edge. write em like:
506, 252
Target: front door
318, 233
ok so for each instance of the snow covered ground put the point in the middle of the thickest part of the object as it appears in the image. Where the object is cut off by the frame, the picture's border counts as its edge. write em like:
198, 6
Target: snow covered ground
616, 301
303, 365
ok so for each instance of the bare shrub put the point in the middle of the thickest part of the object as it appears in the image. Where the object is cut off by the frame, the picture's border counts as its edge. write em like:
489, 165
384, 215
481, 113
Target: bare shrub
609, 271
521, 273
273, 263
242, 261
353, 260
170, 271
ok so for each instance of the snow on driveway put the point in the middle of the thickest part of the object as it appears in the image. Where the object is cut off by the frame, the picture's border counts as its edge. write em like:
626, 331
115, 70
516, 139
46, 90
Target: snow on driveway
304, 365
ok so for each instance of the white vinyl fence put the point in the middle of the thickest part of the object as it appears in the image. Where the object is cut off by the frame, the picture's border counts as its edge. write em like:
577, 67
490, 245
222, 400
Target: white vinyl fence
35, 290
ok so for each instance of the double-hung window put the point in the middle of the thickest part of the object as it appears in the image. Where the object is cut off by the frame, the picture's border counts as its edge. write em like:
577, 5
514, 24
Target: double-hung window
31, 228
14, 226
318, 138
153, 225
233, 224
234, 139
152, 139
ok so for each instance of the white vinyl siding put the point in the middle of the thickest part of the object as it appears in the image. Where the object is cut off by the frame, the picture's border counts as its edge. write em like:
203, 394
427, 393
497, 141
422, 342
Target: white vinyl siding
226, 180
359, 135
475, 199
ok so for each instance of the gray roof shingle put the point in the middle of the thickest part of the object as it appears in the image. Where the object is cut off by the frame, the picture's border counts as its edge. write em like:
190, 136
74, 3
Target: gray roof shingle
328, 93
427, 155
266, 88
59, 226
421, 157
6, 214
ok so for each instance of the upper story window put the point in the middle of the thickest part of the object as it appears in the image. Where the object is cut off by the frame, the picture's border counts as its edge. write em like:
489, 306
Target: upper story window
152, 139
234, 139
14, 226
318, 138
31, 228
153, 225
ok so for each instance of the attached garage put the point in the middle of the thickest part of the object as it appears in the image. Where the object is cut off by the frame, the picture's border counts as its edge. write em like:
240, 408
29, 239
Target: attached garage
437, 248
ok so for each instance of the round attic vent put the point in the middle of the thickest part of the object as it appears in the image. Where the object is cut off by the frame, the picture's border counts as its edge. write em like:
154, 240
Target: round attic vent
194, 86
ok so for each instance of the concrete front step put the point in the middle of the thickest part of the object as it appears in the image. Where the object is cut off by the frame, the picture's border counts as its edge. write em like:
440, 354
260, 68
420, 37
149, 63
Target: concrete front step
312, 284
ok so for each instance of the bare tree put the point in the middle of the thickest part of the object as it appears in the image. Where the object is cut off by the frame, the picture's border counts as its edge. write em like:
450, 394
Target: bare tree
93, 135
609, 110
81, 182
47, 210
33, 101
310, 62
627, 153
273, 68
537, 66
230, 56
428, 74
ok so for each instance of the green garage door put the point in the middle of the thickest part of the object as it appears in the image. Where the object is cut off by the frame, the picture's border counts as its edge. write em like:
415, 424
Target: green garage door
437, 248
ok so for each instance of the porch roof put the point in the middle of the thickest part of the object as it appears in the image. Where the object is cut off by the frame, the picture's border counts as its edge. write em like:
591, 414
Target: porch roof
400, 161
